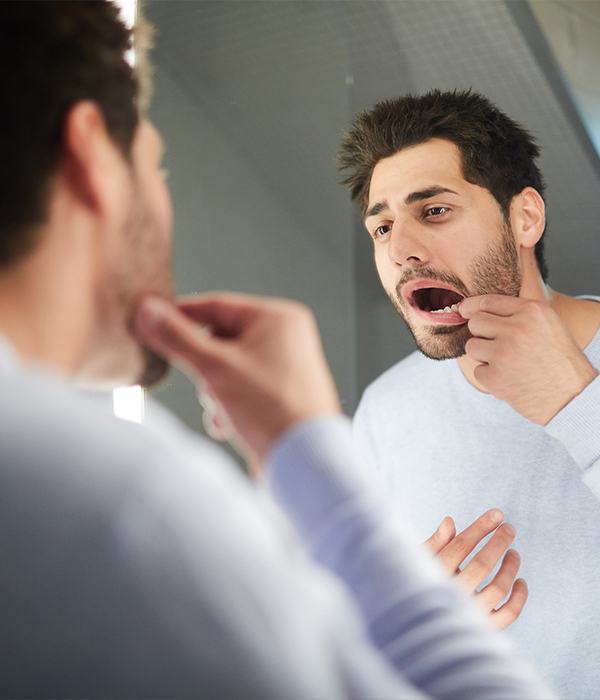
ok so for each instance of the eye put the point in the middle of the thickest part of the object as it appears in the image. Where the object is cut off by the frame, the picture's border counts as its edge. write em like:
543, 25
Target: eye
381, 231
435, 212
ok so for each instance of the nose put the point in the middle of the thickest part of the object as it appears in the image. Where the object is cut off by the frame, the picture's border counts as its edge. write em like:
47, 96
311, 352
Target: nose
406, 246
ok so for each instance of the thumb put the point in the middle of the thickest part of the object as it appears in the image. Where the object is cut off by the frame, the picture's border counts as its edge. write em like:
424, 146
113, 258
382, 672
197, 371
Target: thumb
170, 333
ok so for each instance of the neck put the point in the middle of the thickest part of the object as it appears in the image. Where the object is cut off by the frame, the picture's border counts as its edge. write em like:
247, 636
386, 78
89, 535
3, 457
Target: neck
44, 309
580, 317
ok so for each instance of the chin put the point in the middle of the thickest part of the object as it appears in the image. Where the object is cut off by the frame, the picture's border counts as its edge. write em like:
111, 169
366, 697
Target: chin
442, 342
438, 342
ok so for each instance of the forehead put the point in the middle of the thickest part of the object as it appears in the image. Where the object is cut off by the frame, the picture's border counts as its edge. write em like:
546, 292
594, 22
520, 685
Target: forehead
436, 161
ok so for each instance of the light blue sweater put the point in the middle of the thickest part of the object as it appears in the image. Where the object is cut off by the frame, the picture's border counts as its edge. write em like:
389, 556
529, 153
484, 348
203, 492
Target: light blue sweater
138, 563
444, 448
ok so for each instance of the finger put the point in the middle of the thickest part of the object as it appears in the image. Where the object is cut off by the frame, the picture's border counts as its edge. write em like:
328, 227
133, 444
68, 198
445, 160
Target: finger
497, 304
463, 544
173, 335
227, 314
479, 349
486, 325
483, 563
510, 611
214, 418
442, 536
495, 592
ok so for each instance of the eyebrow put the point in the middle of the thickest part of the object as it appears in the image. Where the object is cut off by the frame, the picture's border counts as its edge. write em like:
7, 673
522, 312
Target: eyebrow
413, 197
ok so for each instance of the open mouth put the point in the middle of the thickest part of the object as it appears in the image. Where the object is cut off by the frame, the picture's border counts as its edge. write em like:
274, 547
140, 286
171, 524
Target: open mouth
437, 303
437, 300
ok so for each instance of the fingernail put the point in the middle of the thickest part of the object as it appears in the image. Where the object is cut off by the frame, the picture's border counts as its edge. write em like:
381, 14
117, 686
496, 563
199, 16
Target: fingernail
496, 515
150, 313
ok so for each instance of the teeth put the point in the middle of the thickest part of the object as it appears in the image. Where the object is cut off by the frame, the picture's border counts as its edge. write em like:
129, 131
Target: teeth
448, 310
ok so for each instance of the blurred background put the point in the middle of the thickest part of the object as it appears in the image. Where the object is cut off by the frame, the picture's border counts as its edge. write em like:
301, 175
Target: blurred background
252, 98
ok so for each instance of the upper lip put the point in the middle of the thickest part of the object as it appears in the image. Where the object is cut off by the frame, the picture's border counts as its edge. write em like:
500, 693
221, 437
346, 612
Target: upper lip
409, 288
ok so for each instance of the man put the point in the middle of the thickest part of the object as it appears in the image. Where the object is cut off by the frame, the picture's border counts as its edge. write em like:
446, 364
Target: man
453, 199
136, 562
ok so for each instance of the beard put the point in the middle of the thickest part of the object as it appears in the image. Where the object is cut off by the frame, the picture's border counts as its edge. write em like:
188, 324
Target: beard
148, 272
154, 368
494, 272
134, 264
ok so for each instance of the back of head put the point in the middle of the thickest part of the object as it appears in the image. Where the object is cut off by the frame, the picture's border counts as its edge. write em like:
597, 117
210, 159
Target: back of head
53, 54
497, 153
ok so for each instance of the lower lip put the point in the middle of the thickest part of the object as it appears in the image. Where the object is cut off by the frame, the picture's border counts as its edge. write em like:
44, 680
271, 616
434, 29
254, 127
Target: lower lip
445, 319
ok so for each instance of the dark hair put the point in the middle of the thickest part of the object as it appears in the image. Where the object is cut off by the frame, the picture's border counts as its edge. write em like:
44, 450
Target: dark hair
53, 54
497, 153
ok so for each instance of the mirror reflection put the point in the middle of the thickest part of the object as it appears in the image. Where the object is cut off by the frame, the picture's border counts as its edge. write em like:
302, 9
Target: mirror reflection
254, 100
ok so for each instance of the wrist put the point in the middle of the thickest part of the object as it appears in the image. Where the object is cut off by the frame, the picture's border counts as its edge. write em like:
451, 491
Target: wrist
583, 375
283, 424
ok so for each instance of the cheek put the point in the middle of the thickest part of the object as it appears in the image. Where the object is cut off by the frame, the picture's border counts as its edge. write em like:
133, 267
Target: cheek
384, 265
163, 209
455, 253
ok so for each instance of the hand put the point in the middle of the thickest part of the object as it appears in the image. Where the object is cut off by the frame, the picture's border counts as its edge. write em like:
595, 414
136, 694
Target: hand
527, 356
451, 550
259, 360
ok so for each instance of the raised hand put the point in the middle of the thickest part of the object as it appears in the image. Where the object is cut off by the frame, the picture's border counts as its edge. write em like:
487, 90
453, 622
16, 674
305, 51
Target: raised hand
258, 363
526, 355
453, 549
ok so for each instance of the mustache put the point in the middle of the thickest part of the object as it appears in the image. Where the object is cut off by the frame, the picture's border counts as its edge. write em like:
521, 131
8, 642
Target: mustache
432, 274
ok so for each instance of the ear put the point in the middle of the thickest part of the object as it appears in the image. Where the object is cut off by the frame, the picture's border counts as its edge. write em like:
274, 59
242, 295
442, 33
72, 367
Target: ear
527, 217
93, 167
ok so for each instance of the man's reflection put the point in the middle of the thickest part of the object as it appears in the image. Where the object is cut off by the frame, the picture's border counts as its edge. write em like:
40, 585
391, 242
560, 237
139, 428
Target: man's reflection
452, 197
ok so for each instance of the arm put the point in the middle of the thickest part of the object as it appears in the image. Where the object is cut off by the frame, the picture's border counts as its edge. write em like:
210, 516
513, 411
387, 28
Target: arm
421, 623
140, 565
525, 355
577, 426
264, 365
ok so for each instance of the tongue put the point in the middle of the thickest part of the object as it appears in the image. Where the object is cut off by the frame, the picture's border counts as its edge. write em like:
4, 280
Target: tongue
441, 298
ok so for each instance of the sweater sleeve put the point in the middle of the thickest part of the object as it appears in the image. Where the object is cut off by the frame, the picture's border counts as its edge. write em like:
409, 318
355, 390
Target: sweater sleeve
577, 427
422, 623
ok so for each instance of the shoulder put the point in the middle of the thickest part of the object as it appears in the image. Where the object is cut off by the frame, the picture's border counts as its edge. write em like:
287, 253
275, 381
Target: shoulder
67, 446
592, 350
117, 521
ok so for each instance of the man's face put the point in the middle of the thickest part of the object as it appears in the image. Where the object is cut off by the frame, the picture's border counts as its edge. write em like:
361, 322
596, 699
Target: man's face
137, 262
437, 240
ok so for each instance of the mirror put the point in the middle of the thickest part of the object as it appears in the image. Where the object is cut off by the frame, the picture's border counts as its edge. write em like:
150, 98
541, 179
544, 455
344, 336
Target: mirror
253, 98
